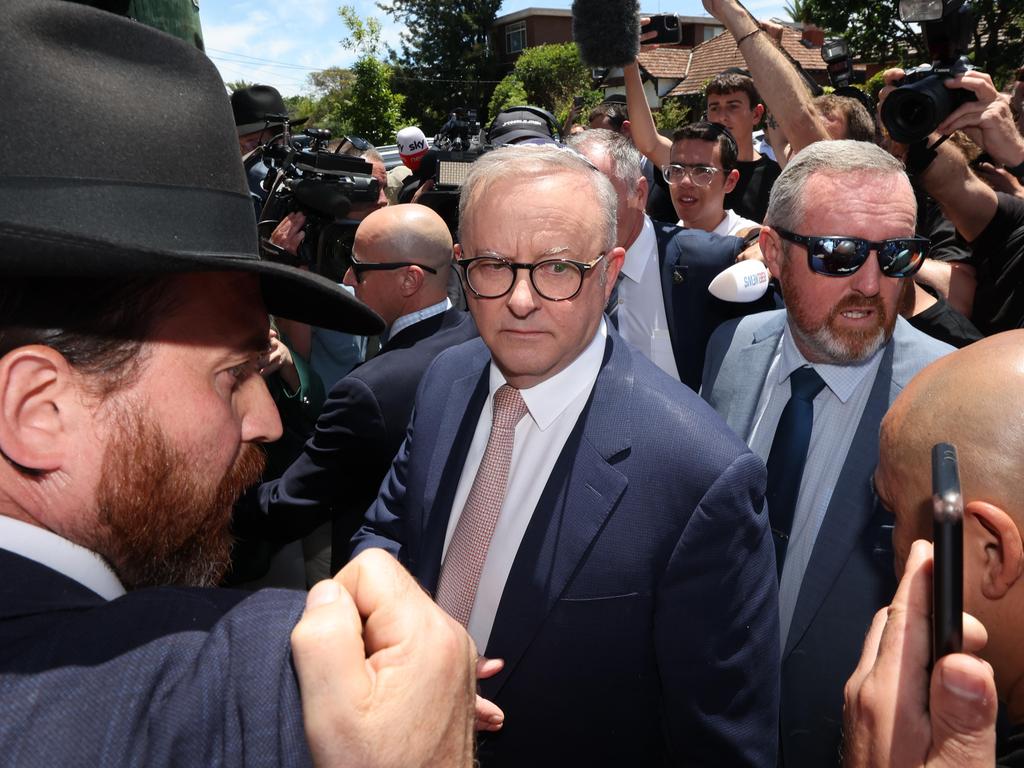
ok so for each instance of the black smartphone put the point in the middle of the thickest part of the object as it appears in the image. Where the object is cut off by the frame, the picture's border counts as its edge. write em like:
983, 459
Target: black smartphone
948, 537
669, 30
577, 102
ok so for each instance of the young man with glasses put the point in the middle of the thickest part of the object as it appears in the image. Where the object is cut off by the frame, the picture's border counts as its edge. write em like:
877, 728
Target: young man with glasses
586, 516
701, 171
807, 388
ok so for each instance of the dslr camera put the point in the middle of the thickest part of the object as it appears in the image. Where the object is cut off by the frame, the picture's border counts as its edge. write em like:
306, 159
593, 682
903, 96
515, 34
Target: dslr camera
304, 177
922, 101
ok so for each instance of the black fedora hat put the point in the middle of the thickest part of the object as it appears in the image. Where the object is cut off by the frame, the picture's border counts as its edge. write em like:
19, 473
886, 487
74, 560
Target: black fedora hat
141, 172
258, 107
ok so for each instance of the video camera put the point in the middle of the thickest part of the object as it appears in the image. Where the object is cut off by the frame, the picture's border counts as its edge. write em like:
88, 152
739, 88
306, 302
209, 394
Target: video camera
304, 177
456, 145
922, 101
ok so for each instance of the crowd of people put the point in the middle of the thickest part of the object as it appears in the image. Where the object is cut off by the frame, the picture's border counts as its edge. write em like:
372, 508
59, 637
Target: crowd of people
530, 494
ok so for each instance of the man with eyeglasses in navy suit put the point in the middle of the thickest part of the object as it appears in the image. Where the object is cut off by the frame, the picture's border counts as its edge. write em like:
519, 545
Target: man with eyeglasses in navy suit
807, 388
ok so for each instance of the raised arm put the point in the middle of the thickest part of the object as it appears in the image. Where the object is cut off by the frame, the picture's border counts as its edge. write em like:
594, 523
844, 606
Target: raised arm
778, 83
643, 131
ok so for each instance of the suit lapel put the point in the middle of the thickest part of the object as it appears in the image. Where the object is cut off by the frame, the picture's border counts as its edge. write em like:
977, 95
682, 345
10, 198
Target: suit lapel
849, 510
737, 389
583, 489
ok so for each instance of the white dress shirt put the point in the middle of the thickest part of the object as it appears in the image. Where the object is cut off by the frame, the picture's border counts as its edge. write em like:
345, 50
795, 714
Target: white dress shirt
837, 412
554, 408
641, 310
730, 224
57, 553
414, 317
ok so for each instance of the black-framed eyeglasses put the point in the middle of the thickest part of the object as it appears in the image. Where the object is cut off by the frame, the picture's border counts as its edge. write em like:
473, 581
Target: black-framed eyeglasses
700, 175
364, 266
491, 277
838, 256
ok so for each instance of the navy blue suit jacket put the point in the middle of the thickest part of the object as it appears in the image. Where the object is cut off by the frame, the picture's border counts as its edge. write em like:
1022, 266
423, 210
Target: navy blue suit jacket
359, 431
167, 676
850, 574
638, 623
689, 259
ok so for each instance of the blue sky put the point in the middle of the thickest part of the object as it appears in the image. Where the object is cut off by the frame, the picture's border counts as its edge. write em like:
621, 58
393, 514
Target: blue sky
278, 42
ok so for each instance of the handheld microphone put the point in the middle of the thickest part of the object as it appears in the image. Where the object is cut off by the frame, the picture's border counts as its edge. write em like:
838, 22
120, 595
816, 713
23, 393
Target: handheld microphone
412, 146
743, 282
607, 32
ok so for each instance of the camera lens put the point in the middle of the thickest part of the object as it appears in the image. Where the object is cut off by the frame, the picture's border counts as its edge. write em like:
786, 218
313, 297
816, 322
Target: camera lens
913, 111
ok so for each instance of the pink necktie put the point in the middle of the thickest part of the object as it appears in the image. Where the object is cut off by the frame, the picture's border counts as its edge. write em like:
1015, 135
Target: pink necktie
460, 572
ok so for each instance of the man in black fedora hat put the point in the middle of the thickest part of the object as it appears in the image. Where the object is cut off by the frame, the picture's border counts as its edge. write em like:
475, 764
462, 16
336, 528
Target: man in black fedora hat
133, 314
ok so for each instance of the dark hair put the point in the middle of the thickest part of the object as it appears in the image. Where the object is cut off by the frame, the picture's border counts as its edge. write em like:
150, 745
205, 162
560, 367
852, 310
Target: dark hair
716, 132
616, 113
731, 82
860, 125
97, 324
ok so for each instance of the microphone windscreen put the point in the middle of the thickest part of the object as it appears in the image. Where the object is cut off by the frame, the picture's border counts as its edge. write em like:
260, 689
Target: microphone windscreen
742, 282
606, 31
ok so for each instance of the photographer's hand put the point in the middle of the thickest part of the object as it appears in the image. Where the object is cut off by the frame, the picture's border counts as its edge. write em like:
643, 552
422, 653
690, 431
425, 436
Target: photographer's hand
289, 233
988, 121
894, 713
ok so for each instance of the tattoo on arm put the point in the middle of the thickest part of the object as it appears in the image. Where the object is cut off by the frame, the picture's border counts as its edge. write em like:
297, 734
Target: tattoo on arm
769, 121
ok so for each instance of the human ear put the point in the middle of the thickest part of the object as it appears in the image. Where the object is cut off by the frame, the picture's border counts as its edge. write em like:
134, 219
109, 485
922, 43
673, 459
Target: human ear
993, 541
731, 178
412, 279
36, 391
771, 248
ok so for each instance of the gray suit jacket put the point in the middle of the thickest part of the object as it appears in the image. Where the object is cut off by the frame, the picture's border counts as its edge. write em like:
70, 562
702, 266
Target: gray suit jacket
850, 574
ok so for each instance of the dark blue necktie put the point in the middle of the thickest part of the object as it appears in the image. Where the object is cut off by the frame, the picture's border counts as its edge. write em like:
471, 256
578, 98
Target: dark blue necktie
788, 456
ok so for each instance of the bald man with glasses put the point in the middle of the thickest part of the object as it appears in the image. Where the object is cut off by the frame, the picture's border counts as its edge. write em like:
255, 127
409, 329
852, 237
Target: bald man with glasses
401, 260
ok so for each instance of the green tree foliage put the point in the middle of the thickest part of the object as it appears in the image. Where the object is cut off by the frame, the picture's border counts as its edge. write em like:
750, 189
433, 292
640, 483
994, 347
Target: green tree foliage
369, 107
238, 85
508, 93
798, 10
445, 60
552, 74
674, 113
876, 32
373, 109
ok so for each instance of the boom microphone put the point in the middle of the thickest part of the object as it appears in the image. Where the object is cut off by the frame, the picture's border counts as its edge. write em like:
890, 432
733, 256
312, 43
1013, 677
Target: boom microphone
607, 32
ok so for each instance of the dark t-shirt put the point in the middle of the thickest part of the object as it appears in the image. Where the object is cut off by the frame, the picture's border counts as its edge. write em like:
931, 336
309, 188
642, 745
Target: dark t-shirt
749, 198
1010, 753
942, 322
998, 257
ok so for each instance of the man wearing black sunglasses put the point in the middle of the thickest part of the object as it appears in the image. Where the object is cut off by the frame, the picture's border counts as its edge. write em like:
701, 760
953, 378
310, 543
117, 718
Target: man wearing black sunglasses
807, 388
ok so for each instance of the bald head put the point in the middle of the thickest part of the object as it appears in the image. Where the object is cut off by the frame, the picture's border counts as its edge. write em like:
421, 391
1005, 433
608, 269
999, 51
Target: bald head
968, 398
411, 234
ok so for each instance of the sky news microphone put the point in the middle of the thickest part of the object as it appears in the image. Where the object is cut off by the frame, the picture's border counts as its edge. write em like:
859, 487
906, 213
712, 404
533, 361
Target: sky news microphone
606, 31
412, 146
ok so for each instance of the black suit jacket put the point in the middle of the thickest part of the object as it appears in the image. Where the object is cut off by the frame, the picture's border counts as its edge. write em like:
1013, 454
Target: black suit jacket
157, 677
689, 259
362, 425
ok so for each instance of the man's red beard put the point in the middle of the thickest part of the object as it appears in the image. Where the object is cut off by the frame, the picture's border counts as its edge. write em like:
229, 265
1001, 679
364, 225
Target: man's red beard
833, 344
159, 522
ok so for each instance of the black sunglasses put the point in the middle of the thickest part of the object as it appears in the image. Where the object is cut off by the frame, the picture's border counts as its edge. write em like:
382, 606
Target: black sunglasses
837, 256
361, 266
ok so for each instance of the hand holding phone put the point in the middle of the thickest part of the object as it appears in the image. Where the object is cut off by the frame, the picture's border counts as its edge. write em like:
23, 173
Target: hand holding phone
948, 567
666, 25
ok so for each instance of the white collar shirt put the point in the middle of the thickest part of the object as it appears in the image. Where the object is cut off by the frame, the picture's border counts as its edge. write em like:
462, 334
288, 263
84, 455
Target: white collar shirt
837, 412
640, 312
554, 407
57, 553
